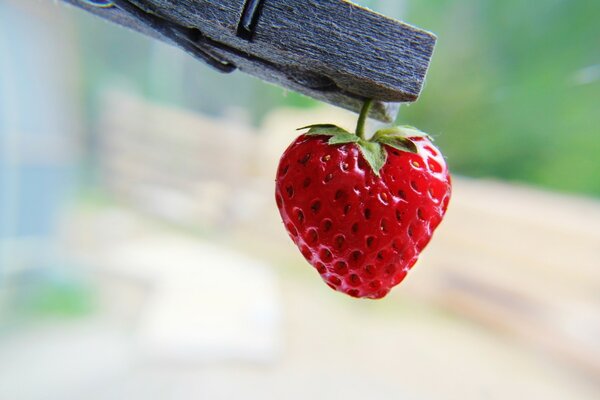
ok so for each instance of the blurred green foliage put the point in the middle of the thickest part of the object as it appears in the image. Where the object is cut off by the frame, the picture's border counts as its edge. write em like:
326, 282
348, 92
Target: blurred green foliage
52, 293
514, 89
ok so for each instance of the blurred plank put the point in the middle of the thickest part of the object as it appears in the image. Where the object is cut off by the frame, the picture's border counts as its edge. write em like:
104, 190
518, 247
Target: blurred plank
167, 162
523, 263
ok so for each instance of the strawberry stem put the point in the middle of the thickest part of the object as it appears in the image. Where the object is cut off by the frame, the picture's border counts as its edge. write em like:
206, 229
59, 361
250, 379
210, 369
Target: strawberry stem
362, 118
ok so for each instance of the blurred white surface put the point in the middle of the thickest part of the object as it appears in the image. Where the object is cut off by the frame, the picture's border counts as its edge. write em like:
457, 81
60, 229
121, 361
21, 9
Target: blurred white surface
207, 303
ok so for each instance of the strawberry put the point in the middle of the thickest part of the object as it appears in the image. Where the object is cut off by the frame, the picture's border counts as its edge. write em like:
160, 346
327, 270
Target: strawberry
361, 211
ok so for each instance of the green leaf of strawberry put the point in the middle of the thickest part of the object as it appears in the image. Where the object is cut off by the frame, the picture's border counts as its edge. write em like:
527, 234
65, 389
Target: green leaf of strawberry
399, 137
344, 137
324, 129
405, 131
398, 143
338, 135
374, 154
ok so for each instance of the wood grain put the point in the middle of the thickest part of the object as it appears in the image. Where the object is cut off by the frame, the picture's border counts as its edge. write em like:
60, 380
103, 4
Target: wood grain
331, 50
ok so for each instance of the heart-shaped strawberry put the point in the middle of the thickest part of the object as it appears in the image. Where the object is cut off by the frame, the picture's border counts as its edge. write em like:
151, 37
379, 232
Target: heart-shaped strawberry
361, 211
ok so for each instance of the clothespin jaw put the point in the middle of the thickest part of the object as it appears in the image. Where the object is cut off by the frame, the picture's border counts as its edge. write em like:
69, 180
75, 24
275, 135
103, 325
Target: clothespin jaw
331, 50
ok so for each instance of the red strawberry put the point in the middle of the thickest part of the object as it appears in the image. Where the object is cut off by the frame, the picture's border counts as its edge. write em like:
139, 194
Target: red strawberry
361, 211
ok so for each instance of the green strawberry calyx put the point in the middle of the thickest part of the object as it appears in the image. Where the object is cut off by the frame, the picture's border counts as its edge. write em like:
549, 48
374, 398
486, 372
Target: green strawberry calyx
397, 137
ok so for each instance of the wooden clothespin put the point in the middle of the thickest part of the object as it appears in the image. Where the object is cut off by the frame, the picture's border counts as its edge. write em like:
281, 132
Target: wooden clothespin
331, 50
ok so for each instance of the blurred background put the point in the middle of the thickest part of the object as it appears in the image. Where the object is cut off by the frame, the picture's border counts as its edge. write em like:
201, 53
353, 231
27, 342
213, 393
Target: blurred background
142, 256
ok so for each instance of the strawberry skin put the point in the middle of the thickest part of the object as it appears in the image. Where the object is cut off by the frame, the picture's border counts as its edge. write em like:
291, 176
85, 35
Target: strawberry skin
362, 231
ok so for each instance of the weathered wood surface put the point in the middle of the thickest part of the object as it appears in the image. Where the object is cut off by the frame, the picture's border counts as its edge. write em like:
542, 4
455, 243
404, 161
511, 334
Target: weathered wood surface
331, 50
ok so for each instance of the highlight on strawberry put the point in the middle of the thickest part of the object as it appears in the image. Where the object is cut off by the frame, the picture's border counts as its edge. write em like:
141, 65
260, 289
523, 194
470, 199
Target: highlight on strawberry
362, 210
